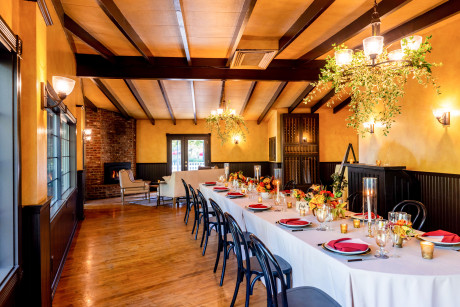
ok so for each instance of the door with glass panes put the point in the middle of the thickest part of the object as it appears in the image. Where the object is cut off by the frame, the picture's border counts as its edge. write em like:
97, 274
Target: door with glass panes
187, 152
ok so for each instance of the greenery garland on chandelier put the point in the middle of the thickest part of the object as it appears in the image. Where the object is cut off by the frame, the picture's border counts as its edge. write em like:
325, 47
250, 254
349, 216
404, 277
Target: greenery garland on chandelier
375, 89
227, 124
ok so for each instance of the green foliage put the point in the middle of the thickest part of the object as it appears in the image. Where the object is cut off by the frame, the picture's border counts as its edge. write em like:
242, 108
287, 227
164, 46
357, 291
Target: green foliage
338, 185
375, 90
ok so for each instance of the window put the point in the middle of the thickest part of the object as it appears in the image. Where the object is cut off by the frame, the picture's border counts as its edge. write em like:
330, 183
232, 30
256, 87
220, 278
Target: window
61, 159
187, 152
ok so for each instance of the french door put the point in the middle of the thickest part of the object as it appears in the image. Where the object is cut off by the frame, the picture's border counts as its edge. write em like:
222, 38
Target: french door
187, 152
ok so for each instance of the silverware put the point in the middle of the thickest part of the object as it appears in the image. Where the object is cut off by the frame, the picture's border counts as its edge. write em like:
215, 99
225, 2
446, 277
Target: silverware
296, 230
361, 259
319, 244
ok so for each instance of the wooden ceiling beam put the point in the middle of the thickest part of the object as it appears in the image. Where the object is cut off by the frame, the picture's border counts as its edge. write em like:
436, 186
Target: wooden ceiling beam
248, 97
119, 20
183, 31
272, 101
111, 97
139, 100
82, 34
433, 16
301, 97
246, 11
315, 10
192, 90
60, 13
341, 105
202, 69
385, 7
167, 102
222, 93
323, 101
89, 104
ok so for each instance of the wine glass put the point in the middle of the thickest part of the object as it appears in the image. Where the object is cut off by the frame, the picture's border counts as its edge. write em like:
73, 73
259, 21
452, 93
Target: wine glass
321, 215
382, 234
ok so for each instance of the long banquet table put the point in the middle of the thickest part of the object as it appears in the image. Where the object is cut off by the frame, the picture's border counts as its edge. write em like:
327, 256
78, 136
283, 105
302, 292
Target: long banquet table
407, 280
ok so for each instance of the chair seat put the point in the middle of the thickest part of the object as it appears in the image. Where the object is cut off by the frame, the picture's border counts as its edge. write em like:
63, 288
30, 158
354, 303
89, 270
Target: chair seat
284, 265
307, 297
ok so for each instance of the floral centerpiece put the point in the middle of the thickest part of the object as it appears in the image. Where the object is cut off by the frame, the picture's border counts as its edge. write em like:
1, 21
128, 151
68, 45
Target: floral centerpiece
302, 199
237, 176
403, 229
266, 186
320, 197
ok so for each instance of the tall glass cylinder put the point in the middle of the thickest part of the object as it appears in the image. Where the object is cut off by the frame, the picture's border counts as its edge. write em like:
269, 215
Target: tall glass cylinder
277, 176
257, 169
227, 170
369, 202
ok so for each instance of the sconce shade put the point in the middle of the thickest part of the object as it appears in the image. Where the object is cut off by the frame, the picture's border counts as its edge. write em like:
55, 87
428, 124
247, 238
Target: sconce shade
373, 46
411, 42
343, 57
63, 86
396, 55
236, 139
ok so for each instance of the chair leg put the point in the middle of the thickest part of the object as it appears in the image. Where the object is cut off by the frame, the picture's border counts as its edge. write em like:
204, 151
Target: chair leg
197, 228
219, 248
186, 213
248, 288
253, 282
224, 265
194, 223
202, 236
206, 242
239, 279
122, 198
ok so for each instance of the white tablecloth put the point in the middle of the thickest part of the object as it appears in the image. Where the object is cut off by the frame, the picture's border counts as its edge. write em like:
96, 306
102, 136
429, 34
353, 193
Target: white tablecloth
407, 280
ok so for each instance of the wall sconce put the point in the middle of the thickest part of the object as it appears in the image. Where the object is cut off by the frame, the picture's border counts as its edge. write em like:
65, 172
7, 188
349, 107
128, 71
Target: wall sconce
87, 134
236, 139
370, 127
61, 88
442, 116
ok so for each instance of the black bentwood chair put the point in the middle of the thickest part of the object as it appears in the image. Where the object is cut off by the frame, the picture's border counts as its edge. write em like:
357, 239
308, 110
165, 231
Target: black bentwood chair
299, 296
196, 209
208, 223
188, 200
414, 206
290, 185
244, 267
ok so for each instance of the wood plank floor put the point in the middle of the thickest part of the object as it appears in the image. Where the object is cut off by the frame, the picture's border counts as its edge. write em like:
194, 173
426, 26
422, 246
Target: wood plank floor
135, 255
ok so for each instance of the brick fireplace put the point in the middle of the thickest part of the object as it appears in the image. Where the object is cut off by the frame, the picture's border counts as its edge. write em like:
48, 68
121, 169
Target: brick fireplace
113, 141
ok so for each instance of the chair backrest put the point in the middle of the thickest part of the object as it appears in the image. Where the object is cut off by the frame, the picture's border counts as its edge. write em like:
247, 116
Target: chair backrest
265, 257
221, 222
290, 185
131, 175
414, 206
187, 192
204, 206
195, 199
238, 242
124, 179
351, 201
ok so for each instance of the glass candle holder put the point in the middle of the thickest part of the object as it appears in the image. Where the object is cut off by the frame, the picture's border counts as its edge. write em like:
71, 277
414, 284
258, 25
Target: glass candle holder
303, 212
289, 204
226, 184
343, 228
259, 199
427, 249
356, 223
369, 202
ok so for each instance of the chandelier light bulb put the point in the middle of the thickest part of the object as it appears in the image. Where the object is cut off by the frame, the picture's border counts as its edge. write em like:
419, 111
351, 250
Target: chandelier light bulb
373, 46
232, 112
411, 42
396, 55
343, 57
213, 113
220, 111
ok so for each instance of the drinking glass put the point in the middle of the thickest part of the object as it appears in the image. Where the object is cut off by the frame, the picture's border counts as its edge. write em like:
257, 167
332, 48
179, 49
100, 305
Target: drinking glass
329, 219
394, 239
322, 214
392, 217
382, 234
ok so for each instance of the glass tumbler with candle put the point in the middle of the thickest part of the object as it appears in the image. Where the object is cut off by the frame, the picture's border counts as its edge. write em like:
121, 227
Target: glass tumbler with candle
369, 202
257, 170
322, 214
226, 170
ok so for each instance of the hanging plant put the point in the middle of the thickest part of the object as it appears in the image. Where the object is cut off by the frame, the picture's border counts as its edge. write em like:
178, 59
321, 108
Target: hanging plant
227, 124
375, 89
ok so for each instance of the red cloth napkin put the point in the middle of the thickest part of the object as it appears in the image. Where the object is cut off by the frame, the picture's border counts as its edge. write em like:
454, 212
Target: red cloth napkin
258, 206
347, 247
220, 188
211, 182
286, 191
366, 215
293, 222
448, 236
234, 194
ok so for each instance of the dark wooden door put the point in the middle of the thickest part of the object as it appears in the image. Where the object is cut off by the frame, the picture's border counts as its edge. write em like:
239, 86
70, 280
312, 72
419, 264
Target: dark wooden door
300, 148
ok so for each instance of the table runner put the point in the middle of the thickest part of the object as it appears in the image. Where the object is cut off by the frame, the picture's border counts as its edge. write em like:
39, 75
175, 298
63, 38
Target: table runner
408, 280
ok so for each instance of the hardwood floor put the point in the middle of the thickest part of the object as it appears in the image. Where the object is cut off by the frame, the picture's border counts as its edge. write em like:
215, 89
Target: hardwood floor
136, 255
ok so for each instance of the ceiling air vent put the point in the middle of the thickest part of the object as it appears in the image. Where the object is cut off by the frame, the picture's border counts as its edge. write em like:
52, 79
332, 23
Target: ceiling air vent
252, 58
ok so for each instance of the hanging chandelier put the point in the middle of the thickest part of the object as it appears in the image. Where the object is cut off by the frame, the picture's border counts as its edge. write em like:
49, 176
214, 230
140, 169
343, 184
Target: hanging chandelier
375, 78
227, 124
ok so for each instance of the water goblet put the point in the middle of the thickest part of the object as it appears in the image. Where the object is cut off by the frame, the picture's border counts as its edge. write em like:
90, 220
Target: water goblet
382, 234
321, 215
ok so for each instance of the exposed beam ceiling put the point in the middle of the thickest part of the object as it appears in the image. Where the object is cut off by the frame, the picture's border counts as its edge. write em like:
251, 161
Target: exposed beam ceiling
167, 102
272, 101
243, 19
323, 100
89, 104
303, 22
192, 89
93, 43
139, 100
248, 97
202, 69
60, 13
116, 16
301, 97
111, 97
222, 93
342, 105
384, 8
182, 29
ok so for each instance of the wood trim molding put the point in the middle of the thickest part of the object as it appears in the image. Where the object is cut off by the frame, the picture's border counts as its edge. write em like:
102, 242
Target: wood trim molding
222, 93
301, 97
60, 13
272, 101
8, 38
89, 104
342, 105
111, 97
192, 91
139, 100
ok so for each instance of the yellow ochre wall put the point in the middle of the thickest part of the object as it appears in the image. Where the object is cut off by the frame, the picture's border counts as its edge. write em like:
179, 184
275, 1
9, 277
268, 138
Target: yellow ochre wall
151, 141
45, 53
417, 140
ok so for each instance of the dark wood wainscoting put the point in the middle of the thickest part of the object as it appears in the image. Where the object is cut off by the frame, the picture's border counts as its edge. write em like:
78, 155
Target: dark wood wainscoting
152, 171
326, 169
